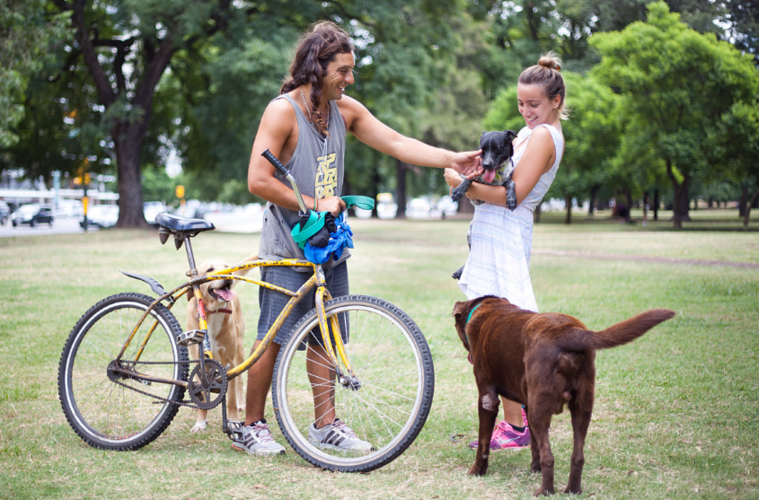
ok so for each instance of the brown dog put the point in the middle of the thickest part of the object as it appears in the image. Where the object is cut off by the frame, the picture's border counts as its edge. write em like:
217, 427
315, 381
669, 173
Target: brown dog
226, 328
543, 361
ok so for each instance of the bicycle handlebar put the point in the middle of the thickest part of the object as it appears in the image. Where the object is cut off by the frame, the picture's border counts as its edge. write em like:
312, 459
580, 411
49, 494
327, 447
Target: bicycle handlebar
283, 170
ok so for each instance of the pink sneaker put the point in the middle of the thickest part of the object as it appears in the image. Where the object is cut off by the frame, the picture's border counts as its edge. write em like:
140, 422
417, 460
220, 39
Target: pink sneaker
504, 436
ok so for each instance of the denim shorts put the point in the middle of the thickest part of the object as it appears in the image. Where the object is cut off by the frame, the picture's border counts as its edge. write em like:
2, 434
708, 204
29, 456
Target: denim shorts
271, 302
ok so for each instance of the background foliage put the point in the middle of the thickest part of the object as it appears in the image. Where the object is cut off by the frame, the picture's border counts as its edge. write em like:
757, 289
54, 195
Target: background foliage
663, 93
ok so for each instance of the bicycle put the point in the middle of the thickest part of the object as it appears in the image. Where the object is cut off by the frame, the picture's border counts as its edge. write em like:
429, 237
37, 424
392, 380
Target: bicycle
124, 369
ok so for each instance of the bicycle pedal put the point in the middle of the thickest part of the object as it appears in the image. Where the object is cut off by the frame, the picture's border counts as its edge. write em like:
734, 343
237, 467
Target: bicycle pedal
190, 337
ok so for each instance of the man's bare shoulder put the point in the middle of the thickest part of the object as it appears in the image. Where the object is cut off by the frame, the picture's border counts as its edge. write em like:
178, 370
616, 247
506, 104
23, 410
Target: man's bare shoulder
351, 109
280, 108
279, 117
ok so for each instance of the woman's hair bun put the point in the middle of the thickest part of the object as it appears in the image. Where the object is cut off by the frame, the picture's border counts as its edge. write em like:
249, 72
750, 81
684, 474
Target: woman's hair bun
550, 60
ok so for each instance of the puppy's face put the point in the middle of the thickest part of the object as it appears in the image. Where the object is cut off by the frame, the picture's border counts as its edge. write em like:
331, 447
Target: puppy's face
497, 147
216, 292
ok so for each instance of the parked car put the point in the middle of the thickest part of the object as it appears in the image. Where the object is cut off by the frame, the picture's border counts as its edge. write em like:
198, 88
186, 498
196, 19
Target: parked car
101, 216
32, 214
5, 212
69, 208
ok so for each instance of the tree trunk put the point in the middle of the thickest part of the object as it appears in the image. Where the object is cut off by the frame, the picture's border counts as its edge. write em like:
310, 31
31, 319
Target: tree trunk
568, 205
400, 192
536, 213
645, 208
683, 205
127, 143
593, 193
680, 201
656, 204
629, 199
748, 209
743, 201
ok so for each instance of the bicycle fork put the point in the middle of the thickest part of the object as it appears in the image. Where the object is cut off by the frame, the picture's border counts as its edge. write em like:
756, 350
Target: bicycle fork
348, 377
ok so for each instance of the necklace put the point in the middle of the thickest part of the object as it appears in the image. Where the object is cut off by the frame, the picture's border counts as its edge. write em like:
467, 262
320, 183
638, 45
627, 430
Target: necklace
310, 118
306, 105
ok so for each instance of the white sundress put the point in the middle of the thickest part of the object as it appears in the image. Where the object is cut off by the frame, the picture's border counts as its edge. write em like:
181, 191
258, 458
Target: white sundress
501, 240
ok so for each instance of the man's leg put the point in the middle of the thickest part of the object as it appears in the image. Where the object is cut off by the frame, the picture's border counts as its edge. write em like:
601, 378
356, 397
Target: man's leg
259, 383
322, 377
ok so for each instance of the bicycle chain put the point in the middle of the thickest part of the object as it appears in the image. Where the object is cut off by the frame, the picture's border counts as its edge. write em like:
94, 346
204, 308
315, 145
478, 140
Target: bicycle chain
164, 400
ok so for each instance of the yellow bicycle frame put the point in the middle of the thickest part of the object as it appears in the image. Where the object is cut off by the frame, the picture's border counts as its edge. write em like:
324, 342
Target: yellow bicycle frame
322, 295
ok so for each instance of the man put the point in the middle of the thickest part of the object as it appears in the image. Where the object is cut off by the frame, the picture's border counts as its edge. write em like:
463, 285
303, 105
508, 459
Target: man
305, 128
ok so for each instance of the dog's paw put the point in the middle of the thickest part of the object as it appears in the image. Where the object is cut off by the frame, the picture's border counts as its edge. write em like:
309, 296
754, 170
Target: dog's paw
199, 427
535, 467
457, 274
478, 470
511, 195
543, 492
241, 409
569, 490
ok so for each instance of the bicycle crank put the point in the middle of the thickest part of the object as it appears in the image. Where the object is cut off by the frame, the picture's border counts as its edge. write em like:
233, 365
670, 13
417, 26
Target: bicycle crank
208, 384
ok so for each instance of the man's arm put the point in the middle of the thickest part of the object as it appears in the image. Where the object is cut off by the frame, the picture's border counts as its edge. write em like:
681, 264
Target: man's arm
372, 132
278, 124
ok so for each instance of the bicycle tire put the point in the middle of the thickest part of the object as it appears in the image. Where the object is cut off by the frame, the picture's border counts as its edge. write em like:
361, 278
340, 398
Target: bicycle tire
103, 413
392, 404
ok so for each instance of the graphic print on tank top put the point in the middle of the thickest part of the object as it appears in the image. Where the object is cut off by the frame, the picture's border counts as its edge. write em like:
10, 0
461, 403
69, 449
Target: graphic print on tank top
326, 176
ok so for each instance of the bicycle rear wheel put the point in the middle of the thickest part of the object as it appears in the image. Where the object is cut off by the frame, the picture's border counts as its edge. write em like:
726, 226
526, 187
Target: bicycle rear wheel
100, 404
386, 405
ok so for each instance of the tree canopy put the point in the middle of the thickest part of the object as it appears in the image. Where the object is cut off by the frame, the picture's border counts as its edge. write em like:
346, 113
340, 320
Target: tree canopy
677, 85
119, 86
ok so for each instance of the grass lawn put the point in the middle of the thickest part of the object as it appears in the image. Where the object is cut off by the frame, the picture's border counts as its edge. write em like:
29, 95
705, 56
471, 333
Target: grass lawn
676, 413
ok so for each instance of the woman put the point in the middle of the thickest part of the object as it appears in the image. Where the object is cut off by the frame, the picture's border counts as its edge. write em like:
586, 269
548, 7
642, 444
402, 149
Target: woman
501, 240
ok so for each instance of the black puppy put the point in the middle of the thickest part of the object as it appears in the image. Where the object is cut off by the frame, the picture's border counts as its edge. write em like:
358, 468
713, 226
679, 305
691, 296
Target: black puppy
497, 148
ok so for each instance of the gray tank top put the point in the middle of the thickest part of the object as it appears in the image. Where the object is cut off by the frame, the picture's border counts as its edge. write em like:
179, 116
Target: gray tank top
318, 167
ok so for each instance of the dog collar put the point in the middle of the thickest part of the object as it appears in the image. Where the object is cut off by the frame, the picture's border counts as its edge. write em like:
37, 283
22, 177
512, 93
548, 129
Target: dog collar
470, 315
469, 357
222, 310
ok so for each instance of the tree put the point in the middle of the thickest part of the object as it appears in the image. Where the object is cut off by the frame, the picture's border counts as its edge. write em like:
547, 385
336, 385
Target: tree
677, 84
26, 34
127, 47
740, 146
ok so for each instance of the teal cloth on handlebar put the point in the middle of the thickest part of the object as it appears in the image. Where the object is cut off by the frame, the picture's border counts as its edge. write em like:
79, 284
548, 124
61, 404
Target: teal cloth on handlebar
362, 202
302, 232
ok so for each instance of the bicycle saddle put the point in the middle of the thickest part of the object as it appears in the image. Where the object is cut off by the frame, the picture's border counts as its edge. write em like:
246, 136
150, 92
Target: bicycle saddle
180, 227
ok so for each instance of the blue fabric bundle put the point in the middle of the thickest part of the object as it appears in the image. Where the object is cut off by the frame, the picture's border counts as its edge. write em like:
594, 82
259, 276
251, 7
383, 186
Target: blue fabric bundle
338, 240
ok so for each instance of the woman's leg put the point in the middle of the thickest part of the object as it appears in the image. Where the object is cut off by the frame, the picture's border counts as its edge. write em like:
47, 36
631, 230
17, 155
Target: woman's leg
512, 413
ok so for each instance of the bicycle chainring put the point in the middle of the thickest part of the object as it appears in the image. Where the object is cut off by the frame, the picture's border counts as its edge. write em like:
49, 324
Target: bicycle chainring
208, 389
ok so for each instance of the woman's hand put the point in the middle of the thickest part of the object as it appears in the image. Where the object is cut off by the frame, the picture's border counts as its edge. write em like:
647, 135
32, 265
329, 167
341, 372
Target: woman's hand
452, 178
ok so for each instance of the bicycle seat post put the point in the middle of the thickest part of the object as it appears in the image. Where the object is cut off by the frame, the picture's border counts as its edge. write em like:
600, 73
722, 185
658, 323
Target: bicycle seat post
193, 273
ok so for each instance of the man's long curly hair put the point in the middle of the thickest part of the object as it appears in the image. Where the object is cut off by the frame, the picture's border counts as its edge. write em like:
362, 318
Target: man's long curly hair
317, 47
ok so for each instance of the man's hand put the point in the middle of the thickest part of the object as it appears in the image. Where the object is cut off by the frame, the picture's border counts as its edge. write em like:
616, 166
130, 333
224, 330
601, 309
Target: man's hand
332, 204
468, 163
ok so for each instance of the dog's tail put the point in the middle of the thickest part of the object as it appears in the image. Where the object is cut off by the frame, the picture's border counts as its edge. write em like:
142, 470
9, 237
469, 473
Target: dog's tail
621, 333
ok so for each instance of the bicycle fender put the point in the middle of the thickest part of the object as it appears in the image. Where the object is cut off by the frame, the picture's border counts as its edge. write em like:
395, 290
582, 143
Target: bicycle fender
154, 285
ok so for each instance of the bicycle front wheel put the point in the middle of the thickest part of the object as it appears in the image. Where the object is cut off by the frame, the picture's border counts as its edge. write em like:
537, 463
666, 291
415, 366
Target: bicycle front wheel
104, 406
385, 405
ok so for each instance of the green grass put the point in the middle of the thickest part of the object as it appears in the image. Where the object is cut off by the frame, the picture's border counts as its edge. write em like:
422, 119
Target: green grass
676, 413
